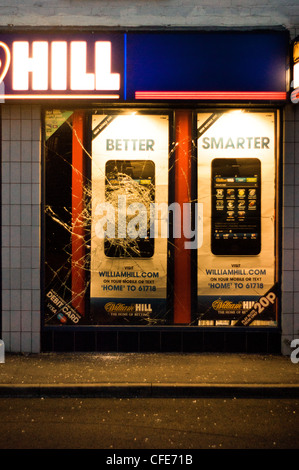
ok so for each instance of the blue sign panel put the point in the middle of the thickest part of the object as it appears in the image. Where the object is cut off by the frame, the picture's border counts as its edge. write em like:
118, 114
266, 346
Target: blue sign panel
207, 65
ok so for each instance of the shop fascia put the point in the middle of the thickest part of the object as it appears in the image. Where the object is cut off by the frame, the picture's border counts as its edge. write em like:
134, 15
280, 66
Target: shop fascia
48, 63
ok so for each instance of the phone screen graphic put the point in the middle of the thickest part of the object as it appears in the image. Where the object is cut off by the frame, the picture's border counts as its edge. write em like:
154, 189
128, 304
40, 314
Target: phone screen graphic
236, 206
134, 179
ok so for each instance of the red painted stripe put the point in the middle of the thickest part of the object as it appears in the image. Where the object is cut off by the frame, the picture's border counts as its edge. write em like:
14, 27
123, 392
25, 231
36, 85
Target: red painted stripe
78, 250
182, 257
212, 95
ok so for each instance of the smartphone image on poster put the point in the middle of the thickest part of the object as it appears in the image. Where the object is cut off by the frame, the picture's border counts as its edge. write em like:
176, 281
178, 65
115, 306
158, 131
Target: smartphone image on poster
236, 206
134, 179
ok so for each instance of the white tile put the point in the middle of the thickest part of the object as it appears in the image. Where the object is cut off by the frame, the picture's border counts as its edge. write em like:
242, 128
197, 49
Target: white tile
35, 152
36, 348
15, 236
5, 257
15, 300
35, 278
5, 172
6, 299
36, 299
5, 278
26, 323
35, 112
26, 172
15, 278
36, 321
15, 214
35, 236
35, 173
26, 299
26, 152
15, 150
288, 281
5, 236
26, 342
15, 130
35, 257
5, 151
289, 171
26, 193
5, 214
5, 322
6, 339
15, 257
15, 172
296, 324
35, 214
26, 218
36, 129
15, 112
26, 129
26, 278
26, 257
287, 323
288, 260
296, 259
6, 129
5, 193
35, 193
296, 281
26, 112
5, 111
15, 320
26, 233
15, 193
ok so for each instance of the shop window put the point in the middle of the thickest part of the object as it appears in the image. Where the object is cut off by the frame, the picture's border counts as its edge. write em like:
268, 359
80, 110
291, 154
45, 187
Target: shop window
237, 276
153, 221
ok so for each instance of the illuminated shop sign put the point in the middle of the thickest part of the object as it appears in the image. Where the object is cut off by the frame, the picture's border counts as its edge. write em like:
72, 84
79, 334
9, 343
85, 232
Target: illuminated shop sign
295, 81
83, 67
145, 66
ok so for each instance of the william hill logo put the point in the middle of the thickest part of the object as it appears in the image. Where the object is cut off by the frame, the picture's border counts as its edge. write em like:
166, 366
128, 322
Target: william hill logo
120, 308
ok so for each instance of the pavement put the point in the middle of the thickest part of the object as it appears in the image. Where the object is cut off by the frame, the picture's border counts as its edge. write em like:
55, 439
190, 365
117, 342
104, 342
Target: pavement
149, 375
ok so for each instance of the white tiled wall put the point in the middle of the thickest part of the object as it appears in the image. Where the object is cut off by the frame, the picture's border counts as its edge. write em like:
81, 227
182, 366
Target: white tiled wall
290, 254
21, 228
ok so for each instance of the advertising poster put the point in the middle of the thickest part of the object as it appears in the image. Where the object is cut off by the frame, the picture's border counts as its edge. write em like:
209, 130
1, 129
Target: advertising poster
236, 283
128, 253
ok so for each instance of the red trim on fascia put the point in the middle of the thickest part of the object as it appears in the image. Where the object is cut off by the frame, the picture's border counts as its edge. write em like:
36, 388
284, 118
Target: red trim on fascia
212, 95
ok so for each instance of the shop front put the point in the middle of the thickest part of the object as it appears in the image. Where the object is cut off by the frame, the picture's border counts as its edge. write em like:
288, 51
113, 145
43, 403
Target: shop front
161, 177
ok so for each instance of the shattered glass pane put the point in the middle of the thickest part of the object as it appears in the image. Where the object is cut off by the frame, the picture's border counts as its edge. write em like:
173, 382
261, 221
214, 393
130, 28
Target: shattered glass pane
103, 263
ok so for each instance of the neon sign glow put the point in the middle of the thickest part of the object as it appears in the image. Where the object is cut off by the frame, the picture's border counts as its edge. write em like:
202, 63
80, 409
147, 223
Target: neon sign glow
47, 67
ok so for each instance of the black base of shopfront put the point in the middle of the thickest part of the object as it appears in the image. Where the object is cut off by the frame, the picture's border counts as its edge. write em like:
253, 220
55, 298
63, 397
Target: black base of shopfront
175, 341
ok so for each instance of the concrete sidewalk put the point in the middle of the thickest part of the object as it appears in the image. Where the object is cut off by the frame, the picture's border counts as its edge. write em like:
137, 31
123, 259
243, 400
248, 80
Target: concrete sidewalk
148, 375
